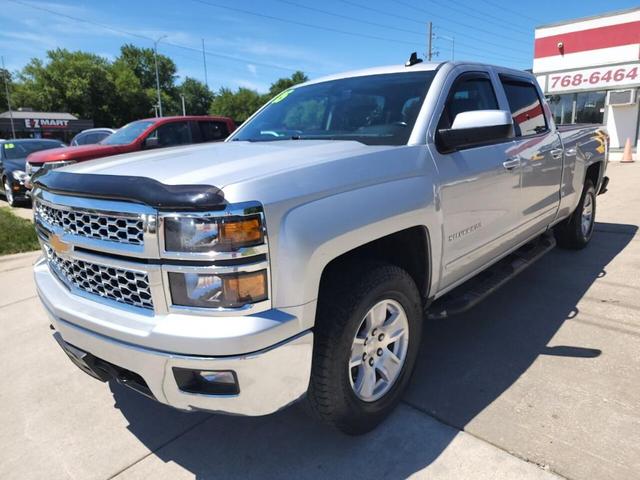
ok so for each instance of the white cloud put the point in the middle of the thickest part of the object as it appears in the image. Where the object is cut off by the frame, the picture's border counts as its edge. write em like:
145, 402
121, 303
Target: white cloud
252, 68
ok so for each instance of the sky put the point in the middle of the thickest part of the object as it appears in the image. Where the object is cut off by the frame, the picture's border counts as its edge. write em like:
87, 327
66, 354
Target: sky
251, 43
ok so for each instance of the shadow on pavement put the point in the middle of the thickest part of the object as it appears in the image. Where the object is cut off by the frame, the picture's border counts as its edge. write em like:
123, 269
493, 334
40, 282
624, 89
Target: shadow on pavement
465, 363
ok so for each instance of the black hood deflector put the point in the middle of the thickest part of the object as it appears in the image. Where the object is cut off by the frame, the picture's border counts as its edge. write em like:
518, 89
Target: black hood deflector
132, 189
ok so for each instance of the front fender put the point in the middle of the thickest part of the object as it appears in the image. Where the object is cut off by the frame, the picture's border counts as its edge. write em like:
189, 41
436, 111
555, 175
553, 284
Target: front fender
313, 234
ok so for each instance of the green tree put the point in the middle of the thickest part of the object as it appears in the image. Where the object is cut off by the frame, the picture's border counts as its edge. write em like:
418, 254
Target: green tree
197, 96
283, 83
238, 105
5, 79
74, 82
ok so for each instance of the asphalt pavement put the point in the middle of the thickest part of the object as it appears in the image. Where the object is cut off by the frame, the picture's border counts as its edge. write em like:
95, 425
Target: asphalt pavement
538, 381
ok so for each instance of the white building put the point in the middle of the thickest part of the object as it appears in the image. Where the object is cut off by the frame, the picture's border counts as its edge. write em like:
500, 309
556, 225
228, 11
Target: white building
589, 69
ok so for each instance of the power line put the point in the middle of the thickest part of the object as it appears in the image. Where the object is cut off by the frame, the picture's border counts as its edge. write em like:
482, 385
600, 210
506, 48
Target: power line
303, 24
520, 14
144, 37
467, 10
346, 17
466, 25
421, 22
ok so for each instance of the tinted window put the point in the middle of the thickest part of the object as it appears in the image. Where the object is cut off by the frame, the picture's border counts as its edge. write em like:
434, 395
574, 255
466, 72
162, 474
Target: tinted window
171, 134
374, 109
470, 92
128, 133
212, 131
526, 108
15, 150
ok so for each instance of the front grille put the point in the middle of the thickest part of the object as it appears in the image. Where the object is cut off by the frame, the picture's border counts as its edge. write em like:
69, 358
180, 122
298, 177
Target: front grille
124, 286
101, 226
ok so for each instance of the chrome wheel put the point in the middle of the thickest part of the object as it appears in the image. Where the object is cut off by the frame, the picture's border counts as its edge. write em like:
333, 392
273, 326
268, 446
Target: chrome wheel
7, 192
379, 350
587, 215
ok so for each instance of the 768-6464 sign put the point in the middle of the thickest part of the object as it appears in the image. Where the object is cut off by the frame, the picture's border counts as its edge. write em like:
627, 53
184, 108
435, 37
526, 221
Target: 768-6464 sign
595, 77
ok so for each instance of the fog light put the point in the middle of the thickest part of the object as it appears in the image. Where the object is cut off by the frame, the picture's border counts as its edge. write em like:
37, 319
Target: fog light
207, 382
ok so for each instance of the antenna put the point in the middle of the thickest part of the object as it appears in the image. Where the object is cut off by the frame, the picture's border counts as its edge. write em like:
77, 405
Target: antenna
413, 59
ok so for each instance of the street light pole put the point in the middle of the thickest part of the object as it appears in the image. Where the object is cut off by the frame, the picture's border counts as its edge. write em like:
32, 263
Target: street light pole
184, 110
155, 57
6, 88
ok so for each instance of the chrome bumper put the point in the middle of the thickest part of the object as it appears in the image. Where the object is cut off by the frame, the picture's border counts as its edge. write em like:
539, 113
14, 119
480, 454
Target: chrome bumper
274, 373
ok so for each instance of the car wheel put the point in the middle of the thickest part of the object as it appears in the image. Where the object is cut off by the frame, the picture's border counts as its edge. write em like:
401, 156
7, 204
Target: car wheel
367, 336
576, 231
8, 193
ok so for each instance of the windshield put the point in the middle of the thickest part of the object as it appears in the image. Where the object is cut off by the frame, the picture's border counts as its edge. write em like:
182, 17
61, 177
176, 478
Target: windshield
128, 133
18, 150
374, 110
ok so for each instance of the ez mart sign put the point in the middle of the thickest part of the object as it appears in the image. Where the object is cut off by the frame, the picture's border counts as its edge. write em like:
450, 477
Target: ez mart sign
594, 78
45, 123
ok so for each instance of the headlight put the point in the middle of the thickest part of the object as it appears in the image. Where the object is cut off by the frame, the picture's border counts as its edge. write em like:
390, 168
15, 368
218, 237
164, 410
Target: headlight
210, 233
218, 291
19, 175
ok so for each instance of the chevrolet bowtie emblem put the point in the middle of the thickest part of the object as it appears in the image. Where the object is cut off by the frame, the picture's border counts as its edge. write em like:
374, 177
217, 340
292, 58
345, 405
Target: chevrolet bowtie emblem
58, 245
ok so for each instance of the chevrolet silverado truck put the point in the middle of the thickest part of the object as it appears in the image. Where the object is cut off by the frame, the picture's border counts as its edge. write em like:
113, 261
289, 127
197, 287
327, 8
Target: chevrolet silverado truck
299, 258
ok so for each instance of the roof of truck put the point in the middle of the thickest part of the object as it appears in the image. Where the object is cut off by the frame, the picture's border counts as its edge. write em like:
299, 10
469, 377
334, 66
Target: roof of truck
401, 68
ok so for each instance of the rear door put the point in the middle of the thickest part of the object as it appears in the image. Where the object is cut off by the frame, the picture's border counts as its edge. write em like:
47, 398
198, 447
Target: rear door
478, 195
539, 151
212, 131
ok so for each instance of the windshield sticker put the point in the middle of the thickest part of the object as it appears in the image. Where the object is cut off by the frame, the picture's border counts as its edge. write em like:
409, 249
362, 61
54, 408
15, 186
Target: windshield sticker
7, 146
281, 96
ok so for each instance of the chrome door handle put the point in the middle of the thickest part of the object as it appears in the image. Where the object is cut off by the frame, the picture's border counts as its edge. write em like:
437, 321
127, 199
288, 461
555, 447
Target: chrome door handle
511, 164
556, 153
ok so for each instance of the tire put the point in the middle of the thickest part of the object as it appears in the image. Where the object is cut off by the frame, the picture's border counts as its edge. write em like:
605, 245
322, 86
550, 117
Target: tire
576, 231
337, 389
8, 194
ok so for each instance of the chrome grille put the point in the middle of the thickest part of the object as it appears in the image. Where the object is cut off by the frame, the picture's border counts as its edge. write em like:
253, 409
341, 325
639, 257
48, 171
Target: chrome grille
101, 226
124, 286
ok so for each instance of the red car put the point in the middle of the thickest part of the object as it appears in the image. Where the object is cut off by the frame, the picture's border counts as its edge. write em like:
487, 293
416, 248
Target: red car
139, 135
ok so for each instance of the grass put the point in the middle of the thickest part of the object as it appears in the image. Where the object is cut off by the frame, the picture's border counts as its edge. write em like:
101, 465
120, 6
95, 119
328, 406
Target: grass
16, 234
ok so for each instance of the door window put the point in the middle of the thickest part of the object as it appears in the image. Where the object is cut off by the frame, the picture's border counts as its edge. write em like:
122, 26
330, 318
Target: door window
213, 131
526, 107
470, 92
171, 134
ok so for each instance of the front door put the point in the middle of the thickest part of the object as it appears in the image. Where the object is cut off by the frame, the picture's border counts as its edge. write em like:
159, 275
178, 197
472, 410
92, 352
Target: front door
479, 190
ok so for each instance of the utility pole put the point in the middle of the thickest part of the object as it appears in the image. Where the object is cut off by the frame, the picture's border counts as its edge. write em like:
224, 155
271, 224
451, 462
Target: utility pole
429, 43
184, 110
6, 89
155, 57
204, 59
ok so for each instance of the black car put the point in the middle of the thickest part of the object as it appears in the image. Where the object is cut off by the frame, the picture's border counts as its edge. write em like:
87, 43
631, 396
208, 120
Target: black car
13, 157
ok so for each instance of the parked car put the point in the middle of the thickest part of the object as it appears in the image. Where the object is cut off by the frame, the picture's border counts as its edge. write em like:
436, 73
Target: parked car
297, 259
145, 134
13, 157
91, 136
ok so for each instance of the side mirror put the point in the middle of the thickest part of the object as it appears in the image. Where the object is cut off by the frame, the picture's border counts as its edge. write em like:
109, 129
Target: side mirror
150, 142
476, 128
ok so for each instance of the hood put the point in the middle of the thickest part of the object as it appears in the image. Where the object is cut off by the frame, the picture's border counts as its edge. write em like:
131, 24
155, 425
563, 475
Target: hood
79, 153
14, 164
223, 164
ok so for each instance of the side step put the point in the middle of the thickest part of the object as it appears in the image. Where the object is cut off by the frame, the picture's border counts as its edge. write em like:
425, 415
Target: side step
473, 291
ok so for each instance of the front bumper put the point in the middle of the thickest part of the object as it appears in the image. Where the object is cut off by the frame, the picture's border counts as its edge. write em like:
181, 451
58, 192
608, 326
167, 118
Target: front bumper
271, 365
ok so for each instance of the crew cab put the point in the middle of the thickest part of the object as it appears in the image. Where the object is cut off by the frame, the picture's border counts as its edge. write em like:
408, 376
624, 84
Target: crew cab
146, 134
298, 258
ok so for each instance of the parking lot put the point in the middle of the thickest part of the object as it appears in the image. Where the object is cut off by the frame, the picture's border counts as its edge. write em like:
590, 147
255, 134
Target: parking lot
540, 379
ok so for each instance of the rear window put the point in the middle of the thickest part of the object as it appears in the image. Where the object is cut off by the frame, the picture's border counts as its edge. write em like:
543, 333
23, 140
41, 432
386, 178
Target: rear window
526, 107
213, 131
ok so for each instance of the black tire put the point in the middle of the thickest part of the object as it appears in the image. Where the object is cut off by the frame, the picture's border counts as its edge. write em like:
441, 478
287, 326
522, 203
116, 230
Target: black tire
8, 195
570, 233
344, 300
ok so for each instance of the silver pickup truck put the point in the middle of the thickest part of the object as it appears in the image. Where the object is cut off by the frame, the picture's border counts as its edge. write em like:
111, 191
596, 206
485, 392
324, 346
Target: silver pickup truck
299, 258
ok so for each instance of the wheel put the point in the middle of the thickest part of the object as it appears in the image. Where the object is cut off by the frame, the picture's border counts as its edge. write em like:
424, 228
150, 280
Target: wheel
367, 335
8, 193
576, 231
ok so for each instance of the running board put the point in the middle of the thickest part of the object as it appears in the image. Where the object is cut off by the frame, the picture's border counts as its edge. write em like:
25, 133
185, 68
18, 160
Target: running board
473, 291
